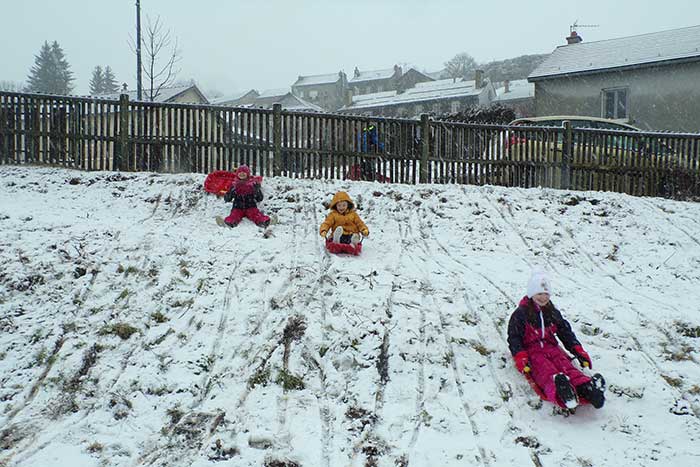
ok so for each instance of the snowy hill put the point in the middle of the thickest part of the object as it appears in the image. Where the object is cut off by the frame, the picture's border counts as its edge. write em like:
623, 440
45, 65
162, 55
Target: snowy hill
136, 332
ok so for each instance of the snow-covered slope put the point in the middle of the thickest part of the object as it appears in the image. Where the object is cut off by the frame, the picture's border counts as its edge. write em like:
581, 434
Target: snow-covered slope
134, 331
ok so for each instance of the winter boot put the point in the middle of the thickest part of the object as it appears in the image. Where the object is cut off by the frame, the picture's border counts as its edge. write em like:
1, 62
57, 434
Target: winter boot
592, 394
222, 223
264, 224
355, 239
565, 391
337, 233
598, 381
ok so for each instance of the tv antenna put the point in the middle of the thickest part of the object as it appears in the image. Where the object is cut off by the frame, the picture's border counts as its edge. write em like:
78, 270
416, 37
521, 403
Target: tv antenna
575, 26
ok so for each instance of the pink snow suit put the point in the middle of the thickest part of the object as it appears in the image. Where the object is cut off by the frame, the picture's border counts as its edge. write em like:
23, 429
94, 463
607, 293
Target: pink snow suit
535, 330
245, 195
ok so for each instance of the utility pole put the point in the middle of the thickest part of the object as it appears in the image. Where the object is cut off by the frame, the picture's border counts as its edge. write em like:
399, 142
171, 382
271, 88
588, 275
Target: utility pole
138, 50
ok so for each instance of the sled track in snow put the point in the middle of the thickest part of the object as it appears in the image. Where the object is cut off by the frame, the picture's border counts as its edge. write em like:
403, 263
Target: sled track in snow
26, 451
458, 379
427, 288
504, 389
387, 323
206, 380
659, 212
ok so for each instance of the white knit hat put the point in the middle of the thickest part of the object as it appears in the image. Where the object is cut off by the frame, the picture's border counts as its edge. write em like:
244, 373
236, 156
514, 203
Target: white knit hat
538, 283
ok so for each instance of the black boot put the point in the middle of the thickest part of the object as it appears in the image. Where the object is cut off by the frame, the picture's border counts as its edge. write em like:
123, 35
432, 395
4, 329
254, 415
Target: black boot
565, 391
593, 391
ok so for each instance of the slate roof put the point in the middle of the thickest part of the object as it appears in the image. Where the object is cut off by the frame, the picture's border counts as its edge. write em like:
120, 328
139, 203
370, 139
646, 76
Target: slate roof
231, 97
372, 75
431, 90
518, 89
317, 79
166, 94
632, 51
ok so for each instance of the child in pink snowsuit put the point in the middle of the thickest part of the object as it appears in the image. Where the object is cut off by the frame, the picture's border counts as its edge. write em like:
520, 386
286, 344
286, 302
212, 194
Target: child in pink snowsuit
245, 194
532, 337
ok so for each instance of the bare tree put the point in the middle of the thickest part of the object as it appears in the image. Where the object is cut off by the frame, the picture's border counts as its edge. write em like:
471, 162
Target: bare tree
161, 55
459, 65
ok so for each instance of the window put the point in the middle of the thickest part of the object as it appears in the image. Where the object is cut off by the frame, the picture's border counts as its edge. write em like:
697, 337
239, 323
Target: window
454, 107
313, 94
615, 103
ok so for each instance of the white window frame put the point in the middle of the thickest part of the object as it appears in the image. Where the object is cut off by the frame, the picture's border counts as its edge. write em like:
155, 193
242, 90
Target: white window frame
616, 95
313, 94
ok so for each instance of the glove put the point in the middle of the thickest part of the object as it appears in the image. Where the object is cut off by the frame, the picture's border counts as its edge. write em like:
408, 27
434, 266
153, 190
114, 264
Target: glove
324, 234
582, 356
228, 197
521, 361
365, 233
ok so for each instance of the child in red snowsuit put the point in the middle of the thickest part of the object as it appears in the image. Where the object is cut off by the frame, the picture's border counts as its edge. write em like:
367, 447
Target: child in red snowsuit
532, 337
245, 194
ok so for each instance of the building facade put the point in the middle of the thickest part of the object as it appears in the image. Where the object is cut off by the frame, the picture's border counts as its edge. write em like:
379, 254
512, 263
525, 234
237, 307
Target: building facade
650, 81
518, 95
437, 97
327, 91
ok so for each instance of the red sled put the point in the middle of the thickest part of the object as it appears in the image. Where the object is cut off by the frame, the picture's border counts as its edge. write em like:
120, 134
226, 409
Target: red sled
356, 172
343, 248
219, 182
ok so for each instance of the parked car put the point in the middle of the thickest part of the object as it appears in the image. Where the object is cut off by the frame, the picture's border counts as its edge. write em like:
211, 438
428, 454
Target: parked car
601, 147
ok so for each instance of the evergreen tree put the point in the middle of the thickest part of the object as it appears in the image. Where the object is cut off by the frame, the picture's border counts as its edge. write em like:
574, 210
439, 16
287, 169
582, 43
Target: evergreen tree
97, 82
44, 68
64, 82
51, 72
110, 81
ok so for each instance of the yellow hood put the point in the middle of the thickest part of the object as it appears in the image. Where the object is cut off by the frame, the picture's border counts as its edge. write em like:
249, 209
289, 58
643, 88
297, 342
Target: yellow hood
342, 196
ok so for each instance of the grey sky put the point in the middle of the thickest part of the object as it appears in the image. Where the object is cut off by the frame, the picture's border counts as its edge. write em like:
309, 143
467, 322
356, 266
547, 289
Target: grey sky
237, 45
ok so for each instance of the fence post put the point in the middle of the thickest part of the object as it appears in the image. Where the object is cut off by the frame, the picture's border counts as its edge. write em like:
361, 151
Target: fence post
425, 147
277, 139
121, 157
567, 149
4, 131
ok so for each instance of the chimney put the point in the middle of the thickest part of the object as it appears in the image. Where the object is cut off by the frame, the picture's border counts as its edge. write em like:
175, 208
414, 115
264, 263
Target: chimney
506, 85
478, 79
398, 71
574, 38
356, 73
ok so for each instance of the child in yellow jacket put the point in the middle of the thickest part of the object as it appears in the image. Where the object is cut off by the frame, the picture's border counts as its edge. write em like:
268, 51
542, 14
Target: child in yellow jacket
343, 221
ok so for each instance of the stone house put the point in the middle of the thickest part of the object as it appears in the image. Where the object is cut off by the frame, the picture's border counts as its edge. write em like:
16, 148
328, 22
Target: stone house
328, 91
518, 95
441, 96
650, 80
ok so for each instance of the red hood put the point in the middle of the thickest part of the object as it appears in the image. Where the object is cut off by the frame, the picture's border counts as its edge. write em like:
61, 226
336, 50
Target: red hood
524, 301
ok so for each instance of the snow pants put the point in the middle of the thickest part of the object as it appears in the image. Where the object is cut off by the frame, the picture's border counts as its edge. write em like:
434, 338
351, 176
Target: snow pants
547, 361
253, 214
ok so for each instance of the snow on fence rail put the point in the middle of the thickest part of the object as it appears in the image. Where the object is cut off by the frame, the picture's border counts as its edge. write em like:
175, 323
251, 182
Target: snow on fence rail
101, 134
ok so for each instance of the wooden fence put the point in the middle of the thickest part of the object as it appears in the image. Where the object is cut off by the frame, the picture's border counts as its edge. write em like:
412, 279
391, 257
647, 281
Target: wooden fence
99, 134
